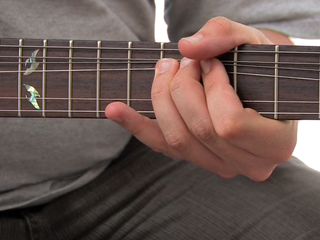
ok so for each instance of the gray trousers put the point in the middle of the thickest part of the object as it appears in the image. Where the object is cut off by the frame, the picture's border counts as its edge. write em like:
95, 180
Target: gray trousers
144, 195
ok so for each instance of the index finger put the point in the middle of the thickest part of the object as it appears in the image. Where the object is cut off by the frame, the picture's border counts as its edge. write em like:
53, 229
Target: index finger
217, 36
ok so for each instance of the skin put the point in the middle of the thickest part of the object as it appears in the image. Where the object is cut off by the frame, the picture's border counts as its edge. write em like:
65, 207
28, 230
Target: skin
200, 118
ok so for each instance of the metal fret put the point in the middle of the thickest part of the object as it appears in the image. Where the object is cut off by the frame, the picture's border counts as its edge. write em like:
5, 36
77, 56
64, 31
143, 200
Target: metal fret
98, 79
44, 77
129, 74
319, 87
20, 75
235, 69
276, 81
161, 50
70, 78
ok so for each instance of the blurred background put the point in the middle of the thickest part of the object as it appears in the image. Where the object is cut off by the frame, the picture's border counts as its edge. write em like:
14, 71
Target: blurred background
307, 148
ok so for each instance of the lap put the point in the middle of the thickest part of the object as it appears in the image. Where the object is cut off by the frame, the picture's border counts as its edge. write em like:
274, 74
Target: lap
144, 195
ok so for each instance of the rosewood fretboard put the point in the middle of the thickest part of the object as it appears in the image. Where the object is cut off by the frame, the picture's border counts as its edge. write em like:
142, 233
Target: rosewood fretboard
79, 78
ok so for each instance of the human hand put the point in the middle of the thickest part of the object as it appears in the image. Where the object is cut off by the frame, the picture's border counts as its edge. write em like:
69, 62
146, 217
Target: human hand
206, 123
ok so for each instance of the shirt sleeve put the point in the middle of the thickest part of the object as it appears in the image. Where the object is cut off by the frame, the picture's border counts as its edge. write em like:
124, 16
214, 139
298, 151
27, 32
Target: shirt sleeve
296, 18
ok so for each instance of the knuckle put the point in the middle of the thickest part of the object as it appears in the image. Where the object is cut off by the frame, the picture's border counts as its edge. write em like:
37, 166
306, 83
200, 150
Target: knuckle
202, 130
176, 141
230, 128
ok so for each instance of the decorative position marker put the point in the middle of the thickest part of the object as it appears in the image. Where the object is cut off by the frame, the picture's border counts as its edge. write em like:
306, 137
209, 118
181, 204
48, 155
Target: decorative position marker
31, 63
33, 98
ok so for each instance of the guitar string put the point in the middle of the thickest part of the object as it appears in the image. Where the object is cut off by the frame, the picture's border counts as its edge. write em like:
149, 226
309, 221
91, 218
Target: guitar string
138, 60
149, 100
177, 49
142, 111
145, 61
157, 49
296, 78
153, 63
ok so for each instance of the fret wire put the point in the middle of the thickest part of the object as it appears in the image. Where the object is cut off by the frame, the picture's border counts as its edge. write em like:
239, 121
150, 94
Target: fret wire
319, 87
44, 76
235, 70
98, 79
129, 74
70, 79
162, 49
276, 81
20, 76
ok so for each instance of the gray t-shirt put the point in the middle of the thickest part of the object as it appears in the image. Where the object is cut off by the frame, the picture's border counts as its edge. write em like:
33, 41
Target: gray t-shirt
42, 159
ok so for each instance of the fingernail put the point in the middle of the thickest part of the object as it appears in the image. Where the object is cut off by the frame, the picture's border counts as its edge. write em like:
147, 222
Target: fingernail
206, 66
164, 65
195, 39
185, 62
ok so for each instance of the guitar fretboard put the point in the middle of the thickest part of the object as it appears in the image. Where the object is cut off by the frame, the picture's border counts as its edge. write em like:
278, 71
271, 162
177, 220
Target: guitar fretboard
78, 79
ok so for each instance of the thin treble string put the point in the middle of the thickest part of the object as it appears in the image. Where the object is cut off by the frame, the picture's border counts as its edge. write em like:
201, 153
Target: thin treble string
82, 58
150, 61
79, 99
272, 67
91, 48
84, 70
153, 63
65, 111
91, 62
149, 100
153, 69
126, 60
142, 111
141, 60
156, 49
